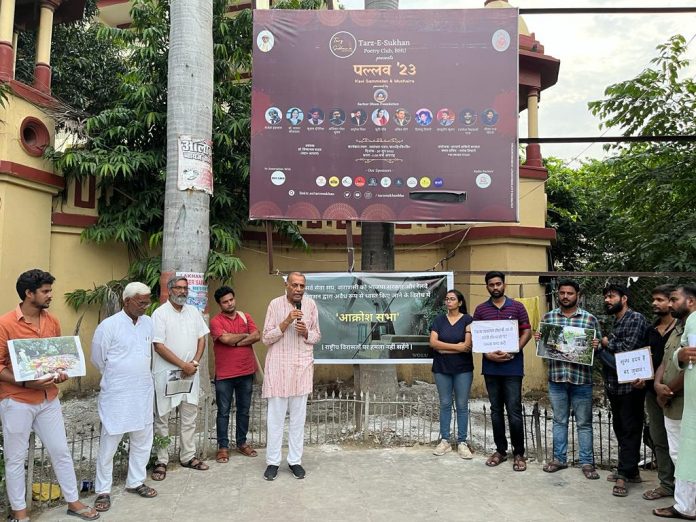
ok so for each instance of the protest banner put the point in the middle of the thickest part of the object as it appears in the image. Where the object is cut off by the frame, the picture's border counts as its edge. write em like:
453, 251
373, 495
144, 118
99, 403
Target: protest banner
636, 364
494, 336
377, 318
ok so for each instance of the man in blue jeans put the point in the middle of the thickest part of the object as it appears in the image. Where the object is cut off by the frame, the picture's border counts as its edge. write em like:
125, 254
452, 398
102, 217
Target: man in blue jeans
503, 372
570, 385
233, 332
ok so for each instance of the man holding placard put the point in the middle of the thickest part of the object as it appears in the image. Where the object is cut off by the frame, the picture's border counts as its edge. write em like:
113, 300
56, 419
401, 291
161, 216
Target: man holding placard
34, 405
626, 398
570, 384
503, 365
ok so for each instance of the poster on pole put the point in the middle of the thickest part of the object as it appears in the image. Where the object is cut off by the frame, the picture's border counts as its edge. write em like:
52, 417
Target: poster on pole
195, 167
385, 115
494, 336
197, 289
38, 358
377, 318
636, 364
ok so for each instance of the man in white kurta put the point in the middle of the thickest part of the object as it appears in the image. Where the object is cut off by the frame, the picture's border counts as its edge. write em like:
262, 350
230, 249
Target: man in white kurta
121, 351
290, 331
179, 342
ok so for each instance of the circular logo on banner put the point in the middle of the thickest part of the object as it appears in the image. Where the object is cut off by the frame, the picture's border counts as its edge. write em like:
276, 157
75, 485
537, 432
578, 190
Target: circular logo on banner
346, 181
438, 182
265, 41
412, 182
501, 40
483, 181
278, 177
291, 192
425, 182
321, 181
343, 44
333, 181
360, 181
385, 181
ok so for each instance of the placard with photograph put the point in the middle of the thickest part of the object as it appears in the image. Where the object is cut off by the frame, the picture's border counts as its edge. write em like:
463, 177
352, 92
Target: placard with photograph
636, 364
35, 358
494, 336
566, 343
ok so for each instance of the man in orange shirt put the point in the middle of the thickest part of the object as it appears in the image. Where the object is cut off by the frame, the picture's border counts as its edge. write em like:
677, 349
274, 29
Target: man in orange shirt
34, 405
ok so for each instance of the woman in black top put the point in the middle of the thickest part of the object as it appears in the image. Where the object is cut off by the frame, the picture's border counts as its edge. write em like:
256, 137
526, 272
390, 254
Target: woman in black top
453, 367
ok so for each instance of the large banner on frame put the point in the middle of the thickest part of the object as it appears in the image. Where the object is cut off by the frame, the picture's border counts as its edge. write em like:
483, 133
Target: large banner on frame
377, 318
394, 115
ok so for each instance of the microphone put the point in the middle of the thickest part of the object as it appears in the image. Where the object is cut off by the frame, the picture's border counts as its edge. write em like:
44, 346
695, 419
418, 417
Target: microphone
298, 305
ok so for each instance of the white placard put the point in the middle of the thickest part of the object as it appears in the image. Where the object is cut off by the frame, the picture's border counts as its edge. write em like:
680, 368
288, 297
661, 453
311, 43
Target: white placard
636, 364
494, 336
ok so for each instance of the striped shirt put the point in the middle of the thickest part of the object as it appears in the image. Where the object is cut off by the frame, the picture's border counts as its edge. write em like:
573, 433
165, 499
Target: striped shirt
290, 357
562, 371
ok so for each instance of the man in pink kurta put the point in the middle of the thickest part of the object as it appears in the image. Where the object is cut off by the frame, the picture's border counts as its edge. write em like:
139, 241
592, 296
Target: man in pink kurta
290, 332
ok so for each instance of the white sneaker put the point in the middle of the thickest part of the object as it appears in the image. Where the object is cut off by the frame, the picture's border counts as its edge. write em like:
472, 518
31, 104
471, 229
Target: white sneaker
464, 451
442, 448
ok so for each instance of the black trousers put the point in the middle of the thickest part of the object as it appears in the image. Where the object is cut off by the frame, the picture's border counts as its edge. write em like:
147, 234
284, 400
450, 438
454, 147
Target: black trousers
627, 419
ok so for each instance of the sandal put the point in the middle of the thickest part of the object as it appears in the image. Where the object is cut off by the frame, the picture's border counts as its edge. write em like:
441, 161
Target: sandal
247, 450
223, 456
102, 502
86, 513
613, 477
670, 512
619, 491
159, 472
143, 490
495, 459
655, 493
195, 463
590, 472
554, 466
519, 463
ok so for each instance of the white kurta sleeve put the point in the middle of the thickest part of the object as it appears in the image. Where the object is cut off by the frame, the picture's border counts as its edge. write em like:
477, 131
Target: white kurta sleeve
99, 348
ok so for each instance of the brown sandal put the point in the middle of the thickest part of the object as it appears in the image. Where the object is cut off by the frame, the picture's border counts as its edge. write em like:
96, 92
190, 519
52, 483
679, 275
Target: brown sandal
589, 471
554, 466
495, 459
143, 491
195, 463
655, 493
519, 463
247, 450
223, 456
159, 472
102, 502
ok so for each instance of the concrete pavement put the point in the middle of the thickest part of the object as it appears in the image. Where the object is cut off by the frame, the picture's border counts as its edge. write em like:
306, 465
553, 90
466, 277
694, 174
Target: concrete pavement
377, 485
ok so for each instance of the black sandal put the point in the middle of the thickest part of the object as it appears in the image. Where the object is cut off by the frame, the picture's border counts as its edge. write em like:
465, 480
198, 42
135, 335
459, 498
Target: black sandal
143, 490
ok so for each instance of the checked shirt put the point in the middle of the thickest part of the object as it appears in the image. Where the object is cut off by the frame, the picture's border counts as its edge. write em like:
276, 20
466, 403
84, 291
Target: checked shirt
629, 333
562, 371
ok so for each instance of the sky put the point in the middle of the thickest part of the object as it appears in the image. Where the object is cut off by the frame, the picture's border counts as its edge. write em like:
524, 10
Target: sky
595, 51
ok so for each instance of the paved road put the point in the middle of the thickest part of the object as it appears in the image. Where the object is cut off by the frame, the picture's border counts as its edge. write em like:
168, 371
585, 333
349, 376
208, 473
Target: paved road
378, 485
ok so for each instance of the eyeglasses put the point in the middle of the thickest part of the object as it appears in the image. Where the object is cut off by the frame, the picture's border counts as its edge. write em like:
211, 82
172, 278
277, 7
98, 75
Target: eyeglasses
451, 299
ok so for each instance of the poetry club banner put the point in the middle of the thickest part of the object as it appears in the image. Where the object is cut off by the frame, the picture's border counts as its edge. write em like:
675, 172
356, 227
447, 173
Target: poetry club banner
393, 115
377, 318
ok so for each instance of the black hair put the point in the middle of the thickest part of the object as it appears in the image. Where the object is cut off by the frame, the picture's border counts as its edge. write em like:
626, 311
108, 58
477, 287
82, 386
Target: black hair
663, 290
493, 274
688, 290
222, 292
569, 282
32, 280
460, 298
619, 289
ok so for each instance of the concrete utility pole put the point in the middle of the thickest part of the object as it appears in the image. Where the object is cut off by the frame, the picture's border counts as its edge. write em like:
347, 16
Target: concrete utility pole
186, 239
377, 253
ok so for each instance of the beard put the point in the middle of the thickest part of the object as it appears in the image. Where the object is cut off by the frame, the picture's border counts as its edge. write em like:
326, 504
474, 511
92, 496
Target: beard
179, 300
567, 304
613, 309
680, 313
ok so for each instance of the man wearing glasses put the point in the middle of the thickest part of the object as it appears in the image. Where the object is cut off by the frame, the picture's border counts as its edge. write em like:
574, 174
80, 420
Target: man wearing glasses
179, 342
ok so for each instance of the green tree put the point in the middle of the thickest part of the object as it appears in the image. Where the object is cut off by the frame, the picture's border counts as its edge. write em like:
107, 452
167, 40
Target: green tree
647, 188
126, 144
84, 66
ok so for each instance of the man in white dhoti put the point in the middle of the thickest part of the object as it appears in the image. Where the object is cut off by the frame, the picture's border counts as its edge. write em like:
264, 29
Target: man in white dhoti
122, 352
179, 342
290, 331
